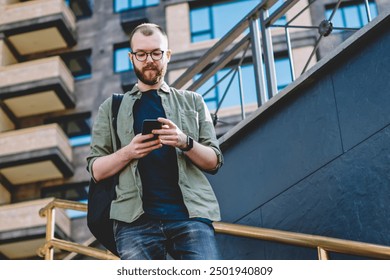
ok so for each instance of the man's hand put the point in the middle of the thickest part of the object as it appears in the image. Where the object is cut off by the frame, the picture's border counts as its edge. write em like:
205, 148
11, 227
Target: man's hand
140, 147
170, 134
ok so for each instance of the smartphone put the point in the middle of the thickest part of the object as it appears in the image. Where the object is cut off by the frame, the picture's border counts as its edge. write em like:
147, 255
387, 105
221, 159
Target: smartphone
148, 125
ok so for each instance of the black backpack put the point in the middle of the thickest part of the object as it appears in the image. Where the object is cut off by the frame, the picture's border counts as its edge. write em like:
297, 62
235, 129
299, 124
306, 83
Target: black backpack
102, 193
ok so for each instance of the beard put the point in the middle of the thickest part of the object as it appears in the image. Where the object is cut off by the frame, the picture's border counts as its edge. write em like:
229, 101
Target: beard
150, 74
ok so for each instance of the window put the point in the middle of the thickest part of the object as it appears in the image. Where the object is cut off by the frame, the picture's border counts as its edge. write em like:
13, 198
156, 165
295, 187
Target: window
77, 127
79, 63
351, 14
232, 98
214, 21
121, 59
81, 8
282, 20
124, 5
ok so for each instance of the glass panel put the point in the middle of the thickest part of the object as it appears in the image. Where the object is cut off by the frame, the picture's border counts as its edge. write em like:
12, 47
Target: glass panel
137, 3
200, 20
283, 72
226, 16
218, 19
201, 38
351, 16
121, 60
120, 5
123, 5
80, 140
152, 2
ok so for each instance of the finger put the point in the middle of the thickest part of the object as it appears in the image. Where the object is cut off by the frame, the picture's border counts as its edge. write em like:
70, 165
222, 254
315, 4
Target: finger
148, 149
167, 122
164, 131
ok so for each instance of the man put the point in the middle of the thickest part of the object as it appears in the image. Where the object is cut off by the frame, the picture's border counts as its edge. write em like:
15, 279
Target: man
165, 204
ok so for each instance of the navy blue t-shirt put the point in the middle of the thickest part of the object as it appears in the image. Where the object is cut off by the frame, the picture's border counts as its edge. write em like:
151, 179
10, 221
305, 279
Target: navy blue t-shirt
162, 197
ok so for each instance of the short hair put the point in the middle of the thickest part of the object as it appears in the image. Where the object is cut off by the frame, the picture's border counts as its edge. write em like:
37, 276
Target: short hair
147, 29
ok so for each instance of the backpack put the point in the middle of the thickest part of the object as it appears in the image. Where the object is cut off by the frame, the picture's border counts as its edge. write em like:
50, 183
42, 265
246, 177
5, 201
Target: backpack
102, 193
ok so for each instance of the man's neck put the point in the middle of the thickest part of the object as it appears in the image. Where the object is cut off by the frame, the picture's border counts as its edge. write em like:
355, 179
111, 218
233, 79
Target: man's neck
144, 87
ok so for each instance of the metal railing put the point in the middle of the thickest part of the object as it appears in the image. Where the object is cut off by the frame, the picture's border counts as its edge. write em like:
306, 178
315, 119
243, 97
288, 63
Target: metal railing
260, 42
323, 245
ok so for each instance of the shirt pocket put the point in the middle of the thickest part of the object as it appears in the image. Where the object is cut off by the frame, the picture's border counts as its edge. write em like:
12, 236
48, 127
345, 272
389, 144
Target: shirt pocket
190, 123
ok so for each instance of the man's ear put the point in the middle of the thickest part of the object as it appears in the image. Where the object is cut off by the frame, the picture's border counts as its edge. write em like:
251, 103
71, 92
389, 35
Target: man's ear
169, 53
131, 57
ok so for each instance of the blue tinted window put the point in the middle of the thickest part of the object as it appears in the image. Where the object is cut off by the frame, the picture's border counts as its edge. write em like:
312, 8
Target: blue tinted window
282, 20
283, 72
123, 5
122, 62
351, 14
215, 20
232, 98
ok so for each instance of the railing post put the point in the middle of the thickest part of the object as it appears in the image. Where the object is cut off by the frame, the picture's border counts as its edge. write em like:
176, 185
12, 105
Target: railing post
257, 61
322, 254
269, 62
290, 53
241, 89
368, 10
50, 227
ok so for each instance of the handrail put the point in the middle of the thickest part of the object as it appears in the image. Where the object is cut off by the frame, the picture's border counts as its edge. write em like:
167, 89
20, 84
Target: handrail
324, 245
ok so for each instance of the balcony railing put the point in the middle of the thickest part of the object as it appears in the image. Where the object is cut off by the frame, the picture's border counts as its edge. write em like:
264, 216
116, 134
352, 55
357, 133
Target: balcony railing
35, 154
36, 87
21, 232
38, 26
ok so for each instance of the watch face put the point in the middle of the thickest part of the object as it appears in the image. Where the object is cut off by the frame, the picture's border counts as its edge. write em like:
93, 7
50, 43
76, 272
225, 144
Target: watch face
190, 142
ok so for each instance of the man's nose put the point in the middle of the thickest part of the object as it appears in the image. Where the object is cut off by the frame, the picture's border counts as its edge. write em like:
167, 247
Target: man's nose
149, 57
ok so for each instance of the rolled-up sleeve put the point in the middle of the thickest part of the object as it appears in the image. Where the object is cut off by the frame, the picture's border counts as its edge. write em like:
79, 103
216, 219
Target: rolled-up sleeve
101, 140
207, 135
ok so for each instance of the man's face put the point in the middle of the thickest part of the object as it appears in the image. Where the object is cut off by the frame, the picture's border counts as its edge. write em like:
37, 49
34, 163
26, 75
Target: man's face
150, 72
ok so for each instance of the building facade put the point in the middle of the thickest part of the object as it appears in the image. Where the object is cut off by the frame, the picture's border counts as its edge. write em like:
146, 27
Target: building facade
59, 60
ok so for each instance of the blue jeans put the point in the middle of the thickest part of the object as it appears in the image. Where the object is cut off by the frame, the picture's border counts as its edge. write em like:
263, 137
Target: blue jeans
147, 239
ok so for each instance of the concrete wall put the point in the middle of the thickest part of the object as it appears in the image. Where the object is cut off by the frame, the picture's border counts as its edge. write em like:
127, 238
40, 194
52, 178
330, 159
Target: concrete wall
315, 159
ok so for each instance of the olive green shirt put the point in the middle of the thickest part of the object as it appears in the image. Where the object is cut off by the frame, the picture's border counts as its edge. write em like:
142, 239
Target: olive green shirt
189, 112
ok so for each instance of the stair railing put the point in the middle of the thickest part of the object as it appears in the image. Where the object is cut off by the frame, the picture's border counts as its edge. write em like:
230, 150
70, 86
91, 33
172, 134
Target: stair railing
260, 21
322, 244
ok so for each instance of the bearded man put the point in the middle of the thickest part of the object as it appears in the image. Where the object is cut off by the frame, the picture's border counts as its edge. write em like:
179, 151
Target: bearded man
165, 205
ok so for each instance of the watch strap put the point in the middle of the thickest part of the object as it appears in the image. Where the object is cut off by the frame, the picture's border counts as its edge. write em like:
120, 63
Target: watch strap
190, 144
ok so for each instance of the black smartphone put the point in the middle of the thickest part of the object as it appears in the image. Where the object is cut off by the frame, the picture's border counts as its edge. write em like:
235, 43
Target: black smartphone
148, 125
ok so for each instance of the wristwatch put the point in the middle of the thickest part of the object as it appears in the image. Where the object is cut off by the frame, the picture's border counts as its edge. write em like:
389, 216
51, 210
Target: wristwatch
190, 144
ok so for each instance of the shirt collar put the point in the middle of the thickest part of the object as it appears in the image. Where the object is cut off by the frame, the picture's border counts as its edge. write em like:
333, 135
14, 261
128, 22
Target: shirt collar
164, 88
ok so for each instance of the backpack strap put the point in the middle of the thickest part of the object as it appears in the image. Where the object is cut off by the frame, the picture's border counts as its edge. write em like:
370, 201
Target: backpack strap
116, 103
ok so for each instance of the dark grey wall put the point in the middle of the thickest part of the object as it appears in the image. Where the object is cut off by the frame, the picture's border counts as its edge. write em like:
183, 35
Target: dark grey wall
318, 160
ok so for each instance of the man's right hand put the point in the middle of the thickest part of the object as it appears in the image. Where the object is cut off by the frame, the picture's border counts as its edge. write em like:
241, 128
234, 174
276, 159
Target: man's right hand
139, 147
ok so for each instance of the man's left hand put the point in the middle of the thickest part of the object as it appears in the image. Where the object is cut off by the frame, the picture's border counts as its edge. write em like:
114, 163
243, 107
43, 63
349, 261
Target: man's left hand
170, 134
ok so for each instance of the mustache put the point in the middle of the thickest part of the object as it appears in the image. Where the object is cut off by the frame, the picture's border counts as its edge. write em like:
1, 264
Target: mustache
150, 67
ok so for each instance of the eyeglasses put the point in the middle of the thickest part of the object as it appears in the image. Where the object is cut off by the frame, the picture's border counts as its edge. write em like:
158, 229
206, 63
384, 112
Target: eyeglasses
143, 56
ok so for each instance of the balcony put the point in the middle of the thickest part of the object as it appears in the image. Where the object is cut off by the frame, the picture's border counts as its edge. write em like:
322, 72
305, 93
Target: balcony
35, 154
22, 230
5, 195
36, 87
38, 26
